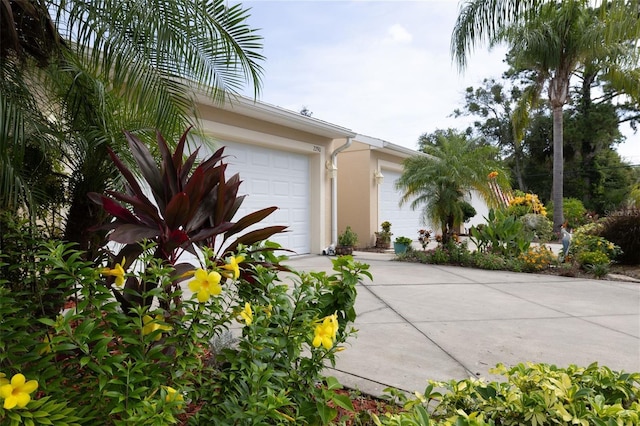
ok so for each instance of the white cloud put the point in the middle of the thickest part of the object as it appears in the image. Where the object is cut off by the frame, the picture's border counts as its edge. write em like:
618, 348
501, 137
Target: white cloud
399, 34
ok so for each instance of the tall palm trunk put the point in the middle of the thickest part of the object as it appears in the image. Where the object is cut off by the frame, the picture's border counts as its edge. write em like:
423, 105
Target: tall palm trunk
558, 168
558, 92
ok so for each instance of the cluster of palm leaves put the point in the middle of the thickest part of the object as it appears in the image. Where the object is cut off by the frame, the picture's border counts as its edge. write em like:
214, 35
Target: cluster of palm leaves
552, 40
442, 180
75, 74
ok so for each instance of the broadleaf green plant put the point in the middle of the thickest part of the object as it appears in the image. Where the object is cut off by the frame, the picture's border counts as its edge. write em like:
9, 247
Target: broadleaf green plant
502, 234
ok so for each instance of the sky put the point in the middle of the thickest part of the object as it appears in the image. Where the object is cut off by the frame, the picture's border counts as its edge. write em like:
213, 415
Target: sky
380, 68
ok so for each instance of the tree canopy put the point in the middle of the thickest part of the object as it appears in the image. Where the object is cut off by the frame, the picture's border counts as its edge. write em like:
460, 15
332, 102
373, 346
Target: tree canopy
74, 74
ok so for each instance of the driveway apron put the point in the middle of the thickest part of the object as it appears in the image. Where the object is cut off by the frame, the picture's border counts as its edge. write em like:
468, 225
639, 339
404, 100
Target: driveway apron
418, 322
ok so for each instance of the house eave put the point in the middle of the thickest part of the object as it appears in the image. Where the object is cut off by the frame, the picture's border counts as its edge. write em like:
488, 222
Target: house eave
277, 115
386, 147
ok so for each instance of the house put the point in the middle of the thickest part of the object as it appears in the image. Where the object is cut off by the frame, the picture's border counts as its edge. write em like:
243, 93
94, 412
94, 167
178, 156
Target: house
281, 157
322, 177
367, 196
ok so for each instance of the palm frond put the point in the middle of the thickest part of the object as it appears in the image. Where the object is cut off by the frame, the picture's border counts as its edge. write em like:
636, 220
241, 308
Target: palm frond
160, 45
480, 21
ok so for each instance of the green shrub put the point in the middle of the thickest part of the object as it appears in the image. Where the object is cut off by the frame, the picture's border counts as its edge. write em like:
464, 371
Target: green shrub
581, 242
413, 256
502, 234
404, 240
590, 258
539, 225
438, 256
623, 229
19, 245
487, 260
599, 270
144, 366
531, 394
573, 211
459, 253
468, 211
591, 228
348, 238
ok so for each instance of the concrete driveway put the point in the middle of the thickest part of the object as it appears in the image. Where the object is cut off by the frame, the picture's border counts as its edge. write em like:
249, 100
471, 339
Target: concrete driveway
418, 322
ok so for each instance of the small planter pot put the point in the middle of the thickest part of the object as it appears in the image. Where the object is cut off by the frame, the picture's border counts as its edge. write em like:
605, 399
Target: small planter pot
383, 243
399, 248
344, 250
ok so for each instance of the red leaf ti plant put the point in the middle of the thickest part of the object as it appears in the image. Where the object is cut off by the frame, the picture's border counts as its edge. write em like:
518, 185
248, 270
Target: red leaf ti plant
192, 206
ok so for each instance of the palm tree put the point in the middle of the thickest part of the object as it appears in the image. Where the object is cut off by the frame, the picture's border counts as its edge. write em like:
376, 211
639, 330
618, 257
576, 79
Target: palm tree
553, 39
74, 74
439, 181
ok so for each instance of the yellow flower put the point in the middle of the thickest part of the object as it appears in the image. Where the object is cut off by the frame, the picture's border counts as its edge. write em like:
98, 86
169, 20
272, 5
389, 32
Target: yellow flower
173, 395
150, 325
232, 267
268, 310
16, 393
205, 284
493, 175
247, 314
117, 271
3, 381
325, 332
47, 348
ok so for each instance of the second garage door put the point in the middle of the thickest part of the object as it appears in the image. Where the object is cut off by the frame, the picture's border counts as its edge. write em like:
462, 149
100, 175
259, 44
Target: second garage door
274, 178
404, 221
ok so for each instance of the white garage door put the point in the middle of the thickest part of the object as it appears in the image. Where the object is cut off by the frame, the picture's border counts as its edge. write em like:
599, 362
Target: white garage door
404, 221
274, 178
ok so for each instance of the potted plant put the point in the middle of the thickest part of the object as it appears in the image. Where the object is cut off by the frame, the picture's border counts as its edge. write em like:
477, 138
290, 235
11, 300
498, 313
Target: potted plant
383, 238
401, 245
346, 241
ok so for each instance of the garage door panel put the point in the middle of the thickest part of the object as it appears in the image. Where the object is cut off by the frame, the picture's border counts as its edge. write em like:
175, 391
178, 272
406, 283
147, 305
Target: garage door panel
257, 187
259, 159
299, 190
274, 178
404, 221
281, 162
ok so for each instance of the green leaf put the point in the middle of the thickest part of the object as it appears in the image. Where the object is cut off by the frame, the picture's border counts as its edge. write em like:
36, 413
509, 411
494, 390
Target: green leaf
423, 416
343, 401
62, 347
333, 383
326, 413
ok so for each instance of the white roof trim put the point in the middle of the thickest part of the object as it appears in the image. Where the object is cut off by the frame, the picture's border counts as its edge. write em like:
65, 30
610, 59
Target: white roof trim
391, 148
277, 115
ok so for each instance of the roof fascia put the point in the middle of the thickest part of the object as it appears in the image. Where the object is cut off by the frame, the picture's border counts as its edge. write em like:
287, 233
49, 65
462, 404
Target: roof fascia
273, 114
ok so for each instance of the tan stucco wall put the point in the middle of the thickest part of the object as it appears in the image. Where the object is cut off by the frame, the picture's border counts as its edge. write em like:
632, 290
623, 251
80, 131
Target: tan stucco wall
354, 191
358, 193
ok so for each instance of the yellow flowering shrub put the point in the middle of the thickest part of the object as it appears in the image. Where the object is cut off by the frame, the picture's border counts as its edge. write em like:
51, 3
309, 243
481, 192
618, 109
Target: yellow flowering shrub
169, 362
538, 258
523, 203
